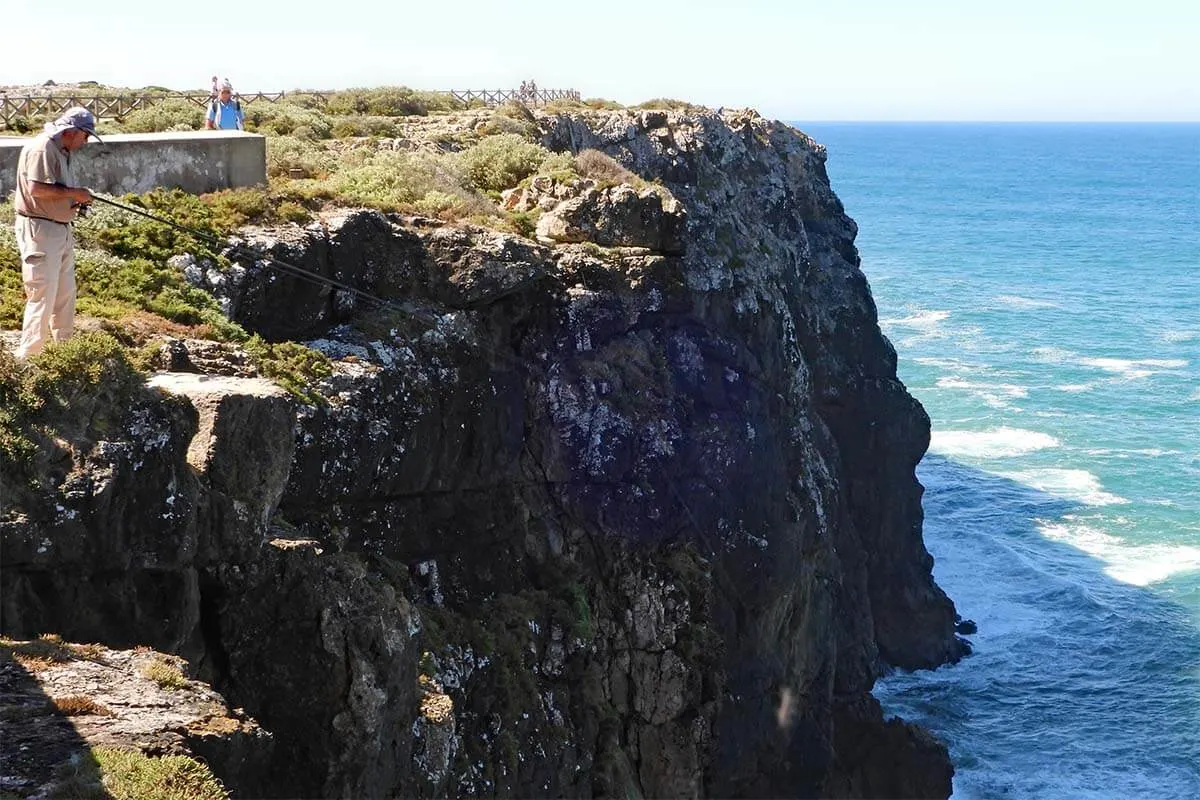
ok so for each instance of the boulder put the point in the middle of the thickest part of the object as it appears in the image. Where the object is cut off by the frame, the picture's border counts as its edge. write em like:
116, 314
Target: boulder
619, 216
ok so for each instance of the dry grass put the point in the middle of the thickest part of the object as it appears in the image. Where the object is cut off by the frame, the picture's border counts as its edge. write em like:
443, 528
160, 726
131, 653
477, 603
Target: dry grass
603, 169
78, 705
166, 674
47, 650
437, 708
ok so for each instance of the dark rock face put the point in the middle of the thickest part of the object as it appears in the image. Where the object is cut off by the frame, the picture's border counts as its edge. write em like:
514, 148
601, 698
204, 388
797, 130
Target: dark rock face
577, 519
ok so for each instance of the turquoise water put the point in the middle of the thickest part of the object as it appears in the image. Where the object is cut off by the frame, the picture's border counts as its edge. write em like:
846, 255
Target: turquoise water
1041, 284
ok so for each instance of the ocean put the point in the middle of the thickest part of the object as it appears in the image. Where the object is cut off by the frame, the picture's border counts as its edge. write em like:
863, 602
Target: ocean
1041, 285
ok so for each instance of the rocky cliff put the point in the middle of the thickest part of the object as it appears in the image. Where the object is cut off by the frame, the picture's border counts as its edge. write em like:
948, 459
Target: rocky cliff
627, 507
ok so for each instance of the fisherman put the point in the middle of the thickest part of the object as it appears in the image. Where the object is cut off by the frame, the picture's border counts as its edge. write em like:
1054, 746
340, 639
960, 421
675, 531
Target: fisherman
46, 203
224, 112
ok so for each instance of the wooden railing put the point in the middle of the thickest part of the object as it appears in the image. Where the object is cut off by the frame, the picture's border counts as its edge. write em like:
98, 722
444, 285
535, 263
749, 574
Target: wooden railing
498, 97
14, 107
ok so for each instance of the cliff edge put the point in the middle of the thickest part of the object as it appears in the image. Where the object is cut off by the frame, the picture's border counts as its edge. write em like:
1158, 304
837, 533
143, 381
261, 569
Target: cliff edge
626, 506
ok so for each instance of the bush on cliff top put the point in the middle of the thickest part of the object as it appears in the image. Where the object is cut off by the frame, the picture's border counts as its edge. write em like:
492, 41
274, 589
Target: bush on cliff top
165, 115
389, 101
287, 119
420, 183
670, 104
502, 161
73, 380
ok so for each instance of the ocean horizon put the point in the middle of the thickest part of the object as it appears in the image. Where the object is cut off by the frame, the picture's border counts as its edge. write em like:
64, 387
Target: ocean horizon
1041, 284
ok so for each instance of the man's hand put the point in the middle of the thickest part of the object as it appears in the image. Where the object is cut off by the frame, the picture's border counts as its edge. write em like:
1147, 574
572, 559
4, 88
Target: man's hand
81, 196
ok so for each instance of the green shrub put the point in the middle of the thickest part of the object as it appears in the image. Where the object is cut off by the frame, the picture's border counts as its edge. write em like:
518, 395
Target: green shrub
81, 365
122, 262
669, 104
293, 366
306, 192
130, 236
388, 181
73, 380
560, 167
165, 115
380, 126
12, 287
524, 223
501, 162
501, 123
603, 104
413, 182
284, 119
165, 673
292, 212
17, 403
389, 101
563, 106
28, 125
233, 208
132, 775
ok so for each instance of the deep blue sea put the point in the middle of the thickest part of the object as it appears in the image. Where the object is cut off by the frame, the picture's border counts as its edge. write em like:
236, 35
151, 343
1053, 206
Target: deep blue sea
1041, 284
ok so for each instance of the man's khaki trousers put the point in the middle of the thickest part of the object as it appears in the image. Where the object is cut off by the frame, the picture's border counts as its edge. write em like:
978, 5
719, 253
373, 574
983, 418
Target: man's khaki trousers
48, 269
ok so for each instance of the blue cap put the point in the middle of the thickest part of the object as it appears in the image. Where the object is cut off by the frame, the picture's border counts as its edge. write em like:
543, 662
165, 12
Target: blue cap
76, 117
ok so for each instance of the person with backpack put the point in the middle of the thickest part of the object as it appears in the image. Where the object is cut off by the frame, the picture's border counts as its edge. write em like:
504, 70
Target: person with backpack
225, 112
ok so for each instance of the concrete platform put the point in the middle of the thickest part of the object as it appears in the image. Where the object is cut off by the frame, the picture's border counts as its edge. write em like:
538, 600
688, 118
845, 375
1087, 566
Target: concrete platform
195, 161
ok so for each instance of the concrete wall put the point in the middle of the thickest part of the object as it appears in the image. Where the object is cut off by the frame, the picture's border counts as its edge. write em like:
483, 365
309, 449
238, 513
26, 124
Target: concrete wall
195, 161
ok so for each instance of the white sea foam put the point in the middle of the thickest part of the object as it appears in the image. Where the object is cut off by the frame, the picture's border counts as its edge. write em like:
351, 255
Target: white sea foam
1134, 368
994, 443
994, 394
1139, 565
1126, 452
1016, 301
1070, 484
1179, 337
1075, 388
920, 320
1127, 368
941, 363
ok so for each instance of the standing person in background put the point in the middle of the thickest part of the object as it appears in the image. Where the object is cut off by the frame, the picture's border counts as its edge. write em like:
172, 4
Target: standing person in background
225, 113
46, 203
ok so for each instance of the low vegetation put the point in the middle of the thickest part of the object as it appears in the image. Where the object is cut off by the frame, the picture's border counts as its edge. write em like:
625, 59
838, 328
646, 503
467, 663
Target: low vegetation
603, 169
109, 773
165, 673
165, 115
46, 651
389, 101
80, 705
670, 104
85, 380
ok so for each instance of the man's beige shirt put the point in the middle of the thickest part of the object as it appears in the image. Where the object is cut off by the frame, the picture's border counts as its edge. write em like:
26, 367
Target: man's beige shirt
43, 160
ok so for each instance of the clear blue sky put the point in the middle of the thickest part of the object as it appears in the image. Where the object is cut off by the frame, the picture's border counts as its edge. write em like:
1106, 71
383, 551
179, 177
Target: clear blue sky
829, 60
